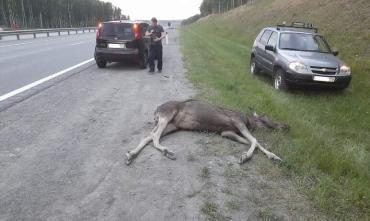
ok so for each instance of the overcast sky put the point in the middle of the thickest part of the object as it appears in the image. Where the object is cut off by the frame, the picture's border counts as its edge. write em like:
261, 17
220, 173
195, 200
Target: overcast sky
162, 9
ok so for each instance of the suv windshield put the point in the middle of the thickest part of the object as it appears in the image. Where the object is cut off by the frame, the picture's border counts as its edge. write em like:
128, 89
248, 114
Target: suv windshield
303, 42
121, 30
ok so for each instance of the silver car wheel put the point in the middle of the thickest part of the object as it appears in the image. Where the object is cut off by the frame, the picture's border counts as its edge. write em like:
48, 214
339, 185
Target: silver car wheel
253, 67
277, 82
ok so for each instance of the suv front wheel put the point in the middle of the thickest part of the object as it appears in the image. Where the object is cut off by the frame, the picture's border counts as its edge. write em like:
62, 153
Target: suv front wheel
279, 80
254, 68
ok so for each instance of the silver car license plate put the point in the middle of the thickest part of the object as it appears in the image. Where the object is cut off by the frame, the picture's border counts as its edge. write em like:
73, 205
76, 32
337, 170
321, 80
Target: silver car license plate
324, 79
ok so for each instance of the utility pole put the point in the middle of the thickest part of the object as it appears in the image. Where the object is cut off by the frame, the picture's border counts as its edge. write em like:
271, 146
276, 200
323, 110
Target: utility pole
41, 24
69, 14
11, 15
24, 20
30, 15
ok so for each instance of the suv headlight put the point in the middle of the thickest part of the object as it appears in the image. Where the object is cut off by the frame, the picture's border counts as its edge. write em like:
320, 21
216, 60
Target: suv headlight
299, 68
345, 70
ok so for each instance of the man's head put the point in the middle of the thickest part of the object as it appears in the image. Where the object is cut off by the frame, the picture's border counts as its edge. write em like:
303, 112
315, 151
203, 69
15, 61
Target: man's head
154, 21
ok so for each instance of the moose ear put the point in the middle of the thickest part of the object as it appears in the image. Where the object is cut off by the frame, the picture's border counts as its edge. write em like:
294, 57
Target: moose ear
254, 113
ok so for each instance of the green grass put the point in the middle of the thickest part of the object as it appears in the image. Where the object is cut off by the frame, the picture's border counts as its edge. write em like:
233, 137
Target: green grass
212, 213
327, 151
233, 205
266, 215
204, 173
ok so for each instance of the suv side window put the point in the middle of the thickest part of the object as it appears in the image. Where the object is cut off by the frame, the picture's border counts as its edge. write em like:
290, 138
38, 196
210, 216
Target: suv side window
265, 37
273, 39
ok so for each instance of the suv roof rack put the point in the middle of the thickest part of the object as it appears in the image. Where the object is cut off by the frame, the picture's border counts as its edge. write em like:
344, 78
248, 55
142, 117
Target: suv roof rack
296, 25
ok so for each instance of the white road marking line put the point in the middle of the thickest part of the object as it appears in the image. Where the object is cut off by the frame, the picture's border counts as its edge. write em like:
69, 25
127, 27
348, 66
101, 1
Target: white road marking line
40, 40
78, 43
29, 86
24, 43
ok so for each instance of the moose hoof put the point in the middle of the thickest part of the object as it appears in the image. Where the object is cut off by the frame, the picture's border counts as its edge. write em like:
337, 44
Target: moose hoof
169, 154
244, 158
130, 157
128, 162
275, 158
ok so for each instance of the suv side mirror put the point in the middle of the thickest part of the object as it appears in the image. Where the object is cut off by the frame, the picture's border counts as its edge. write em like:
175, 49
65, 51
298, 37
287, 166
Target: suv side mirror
335, 52
269, 48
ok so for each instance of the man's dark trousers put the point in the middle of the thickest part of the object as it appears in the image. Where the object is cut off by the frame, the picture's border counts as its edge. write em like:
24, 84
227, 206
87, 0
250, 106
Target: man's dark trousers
155, 53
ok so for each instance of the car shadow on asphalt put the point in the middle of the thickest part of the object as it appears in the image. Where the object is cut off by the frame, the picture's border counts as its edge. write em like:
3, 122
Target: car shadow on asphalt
126, 65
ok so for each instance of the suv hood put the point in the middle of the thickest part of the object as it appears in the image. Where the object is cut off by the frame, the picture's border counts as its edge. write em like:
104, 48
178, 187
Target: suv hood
312, 58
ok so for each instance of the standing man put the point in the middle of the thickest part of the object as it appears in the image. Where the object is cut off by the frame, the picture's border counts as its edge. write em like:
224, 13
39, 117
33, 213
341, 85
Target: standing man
156, 33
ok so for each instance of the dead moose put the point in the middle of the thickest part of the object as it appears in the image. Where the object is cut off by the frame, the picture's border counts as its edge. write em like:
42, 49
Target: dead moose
194, 115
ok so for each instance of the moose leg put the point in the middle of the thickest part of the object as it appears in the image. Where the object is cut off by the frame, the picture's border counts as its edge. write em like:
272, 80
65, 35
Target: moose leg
269, 154
162, 124
246, 156
131, 155
169, 129
245, 132
235, 137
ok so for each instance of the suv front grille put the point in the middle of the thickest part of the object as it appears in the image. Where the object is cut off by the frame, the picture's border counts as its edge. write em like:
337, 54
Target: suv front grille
324, 70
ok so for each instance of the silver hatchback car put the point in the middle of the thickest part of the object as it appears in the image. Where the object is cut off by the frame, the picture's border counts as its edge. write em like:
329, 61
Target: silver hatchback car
297, 54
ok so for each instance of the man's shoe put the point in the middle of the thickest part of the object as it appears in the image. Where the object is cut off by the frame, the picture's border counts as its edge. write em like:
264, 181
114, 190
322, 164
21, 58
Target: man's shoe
151, 71
159, 70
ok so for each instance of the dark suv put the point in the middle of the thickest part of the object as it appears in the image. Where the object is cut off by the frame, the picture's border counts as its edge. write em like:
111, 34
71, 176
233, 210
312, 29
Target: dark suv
118, 41
297, 54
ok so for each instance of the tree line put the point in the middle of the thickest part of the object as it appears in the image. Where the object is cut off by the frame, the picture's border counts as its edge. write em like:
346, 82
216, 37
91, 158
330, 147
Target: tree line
191, 19
24, 14
215, 7
219, 6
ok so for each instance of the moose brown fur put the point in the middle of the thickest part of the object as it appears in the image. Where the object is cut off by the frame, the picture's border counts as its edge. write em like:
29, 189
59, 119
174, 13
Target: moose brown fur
194, 115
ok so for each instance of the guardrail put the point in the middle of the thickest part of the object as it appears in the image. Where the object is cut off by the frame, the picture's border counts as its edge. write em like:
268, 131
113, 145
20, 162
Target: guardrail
18, 33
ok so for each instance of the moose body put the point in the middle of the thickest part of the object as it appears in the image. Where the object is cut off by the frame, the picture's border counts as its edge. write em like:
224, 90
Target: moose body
194, 115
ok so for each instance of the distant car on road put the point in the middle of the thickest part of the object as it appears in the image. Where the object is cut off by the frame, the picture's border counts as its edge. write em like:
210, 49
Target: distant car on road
117, 41
297, 54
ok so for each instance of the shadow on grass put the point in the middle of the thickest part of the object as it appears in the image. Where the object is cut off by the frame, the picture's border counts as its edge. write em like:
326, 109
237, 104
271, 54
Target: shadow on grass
304, 90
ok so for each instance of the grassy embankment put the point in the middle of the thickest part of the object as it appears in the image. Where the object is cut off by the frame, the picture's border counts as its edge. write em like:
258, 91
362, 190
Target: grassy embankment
327, 151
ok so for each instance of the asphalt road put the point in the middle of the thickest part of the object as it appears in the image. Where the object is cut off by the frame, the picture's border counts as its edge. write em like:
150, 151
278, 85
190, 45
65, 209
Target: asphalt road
25, 61
63, 145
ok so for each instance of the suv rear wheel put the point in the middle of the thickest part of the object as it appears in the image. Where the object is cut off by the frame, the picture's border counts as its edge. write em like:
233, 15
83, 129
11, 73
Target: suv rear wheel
101, 63
254, 68
279, 80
